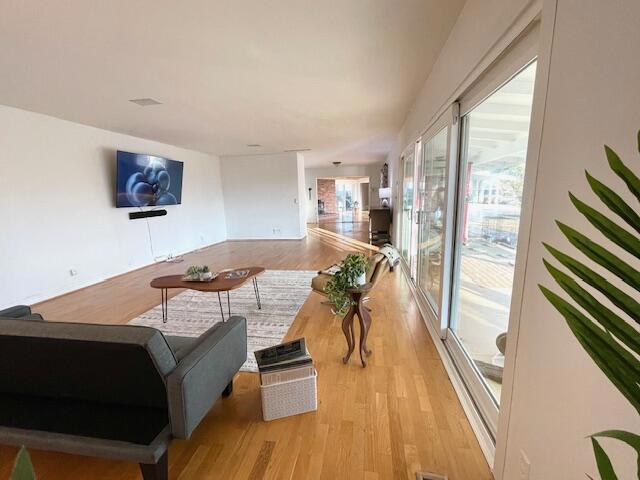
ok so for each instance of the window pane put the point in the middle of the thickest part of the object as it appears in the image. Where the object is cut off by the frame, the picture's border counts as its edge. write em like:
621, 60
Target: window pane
407, 206
432, 191
494, 147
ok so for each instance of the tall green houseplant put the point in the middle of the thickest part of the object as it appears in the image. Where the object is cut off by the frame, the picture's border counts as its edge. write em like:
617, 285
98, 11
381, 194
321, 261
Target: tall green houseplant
352, 267
611, 340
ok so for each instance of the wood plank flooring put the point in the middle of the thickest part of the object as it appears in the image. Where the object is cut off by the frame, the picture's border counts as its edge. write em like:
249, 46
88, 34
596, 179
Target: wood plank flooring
389, 420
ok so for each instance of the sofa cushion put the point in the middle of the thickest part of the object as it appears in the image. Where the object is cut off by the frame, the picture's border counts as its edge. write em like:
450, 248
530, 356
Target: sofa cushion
19, 311
117, 364
127, 423
373, 262
319, 282
180, 345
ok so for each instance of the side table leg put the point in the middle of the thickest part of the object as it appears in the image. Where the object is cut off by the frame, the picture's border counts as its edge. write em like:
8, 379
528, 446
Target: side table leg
365, 316
347, 328
257, 292
164, 293
228, 304
221, 310
362, 340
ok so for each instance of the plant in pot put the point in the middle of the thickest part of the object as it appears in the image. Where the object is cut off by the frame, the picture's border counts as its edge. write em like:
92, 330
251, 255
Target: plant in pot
199, 272
352, 274
608, 335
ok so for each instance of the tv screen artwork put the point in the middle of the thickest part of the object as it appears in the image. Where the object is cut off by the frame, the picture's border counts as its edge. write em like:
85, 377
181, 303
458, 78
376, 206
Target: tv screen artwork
146, 180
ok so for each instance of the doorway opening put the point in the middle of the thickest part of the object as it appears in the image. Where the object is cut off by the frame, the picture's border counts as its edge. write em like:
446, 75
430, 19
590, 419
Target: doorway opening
343, 206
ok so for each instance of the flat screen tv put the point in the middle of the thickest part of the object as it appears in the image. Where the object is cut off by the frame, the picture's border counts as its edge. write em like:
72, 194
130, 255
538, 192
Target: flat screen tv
146, 180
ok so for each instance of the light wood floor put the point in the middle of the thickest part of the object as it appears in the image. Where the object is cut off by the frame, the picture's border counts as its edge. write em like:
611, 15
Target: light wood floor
397, 416
353, 225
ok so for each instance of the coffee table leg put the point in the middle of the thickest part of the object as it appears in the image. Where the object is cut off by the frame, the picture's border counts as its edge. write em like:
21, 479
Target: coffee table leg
164, 293
221, 310
257, 292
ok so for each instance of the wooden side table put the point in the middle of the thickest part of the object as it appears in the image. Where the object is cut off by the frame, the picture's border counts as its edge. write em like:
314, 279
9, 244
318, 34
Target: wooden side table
357, 295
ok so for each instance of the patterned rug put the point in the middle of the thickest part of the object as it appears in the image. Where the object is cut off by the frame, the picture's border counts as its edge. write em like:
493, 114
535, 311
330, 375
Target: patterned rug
282, 293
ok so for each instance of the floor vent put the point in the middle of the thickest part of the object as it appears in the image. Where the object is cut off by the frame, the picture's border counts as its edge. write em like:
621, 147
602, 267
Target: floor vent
430, 476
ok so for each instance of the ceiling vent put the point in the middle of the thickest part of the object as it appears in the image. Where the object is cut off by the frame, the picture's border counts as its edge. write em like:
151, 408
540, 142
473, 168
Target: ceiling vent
145, 102
253, 145
337, 164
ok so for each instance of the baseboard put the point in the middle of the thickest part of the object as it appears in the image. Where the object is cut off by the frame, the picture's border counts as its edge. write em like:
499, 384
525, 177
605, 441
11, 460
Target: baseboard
265, 239
484, 437
92, 283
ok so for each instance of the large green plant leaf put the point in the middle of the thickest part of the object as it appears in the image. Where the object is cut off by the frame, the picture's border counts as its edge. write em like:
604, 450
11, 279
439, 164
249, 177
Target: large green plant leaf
629, 438
614, 360
606, 317
620, 366
602, 256
609, 229
615, 202
633, 183
613, 293
23, 468
605, 469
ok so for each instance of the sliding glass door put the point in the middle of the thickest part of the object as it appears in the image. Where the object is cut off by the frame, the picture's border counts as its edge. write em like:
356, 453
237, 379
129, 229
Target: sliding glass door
431, 216
406, 222
460, 218
494, 138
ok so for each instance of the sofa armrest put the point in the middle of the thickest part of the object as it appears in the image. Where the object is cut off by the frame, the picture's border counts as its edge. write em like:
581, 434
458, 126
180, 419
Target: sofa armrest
201, 376
22, 312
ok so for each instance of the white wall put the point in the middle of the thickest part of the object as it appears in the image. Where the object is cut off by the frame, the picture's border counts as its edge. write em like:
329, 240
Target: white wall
559, 396
312, 174
57, 207
262, 196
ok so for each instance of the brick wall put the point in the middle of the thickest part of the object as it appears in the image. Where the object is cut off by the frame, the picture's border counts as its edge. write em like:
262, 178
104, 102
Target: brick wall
327, 193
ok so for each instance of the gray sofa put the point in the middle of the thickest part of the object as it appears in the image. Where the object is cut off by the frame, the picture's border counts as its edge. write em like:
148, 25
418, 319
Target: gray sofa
115, 391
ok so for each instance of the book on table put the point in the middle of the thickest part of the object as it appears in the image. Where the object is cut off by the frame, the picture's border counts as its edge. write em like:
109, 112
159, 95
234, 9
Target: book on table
234, 274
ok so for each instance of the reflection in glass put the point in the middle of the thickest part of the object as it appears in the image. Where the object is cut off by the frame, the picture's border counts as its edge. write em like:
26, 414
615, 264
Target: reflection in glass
494, 147
432, 204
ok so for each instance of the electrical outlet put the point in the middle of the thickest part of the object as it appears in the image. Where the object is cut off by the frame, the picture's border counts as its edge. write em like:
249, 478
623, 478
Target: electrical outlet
276, 231
525, 466
73, 272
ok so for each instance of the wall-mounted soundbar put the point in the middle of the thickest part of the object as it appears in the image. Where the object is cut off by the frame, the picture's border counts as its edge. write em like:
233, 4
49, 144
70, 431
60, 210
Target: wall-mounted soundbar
147, 214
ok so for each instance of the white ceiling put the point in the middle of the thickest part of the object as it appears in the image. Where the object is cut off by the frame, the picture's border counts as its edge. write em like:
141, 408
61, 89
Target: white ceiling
336, 76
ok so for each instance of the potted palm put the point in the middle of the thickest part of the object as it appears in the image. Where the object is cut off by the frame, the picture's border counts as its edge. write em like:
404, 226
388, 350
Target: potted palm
608, 335
352, 273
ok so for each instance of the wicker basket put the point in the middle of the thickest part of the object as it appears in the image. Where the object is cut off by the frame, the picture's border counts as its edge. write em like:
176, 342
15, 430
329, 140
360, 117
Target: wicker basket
289, 398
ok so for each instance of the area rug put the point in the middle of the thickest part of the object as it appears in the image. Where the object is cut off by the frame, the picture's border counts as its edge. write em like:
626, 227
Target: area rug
283, 292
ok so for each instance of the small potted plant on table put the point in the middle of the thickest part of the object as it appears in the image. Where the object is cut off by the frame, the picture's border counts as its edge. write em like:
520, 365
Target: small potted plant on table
352, 274
199, 273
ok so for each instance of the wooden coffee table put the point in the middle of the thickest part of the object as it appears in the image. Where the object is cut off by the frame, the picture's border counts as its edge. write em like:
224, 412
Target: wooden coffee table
219, 284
